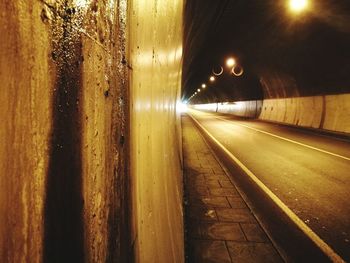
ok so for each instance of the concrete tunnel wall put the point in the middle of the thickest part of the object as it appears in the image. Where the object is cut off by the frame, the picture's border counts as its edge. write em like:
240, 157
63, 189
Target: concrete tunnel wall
156, 58
328, 112
65, 131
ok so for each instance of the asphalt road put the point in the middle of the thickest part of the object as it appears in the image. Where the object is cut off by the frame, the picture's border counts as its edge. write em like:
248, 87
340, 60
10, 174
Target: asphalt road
308, 172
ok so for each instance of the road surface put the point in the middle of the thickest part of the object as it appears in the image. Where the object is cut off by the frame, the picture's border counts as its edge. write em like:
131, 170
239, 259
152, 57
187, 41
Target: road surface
308, 172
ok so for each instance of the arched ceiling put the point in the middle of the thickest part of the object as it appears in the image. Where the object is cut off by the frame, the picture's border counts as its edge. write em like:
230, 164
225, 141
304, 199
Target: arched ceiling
283, 54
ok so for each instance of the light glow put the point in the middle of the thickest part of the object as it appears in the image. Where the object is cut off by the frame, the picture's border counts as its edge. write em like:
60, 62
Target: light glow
198, 90
212, 78
230, 62
298, 5
204, 86
182, 107
81, 3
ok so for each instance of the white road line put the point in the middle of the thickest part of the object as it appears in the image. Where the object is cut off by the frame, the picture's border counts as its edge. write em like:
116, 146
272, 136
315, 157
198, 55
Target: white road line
285, 139
299, 223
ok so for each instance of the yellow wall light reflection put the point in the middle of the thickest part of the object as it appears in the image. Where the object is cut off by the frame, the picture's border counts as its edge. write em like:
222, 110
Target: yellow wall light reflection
81, 3
182, 107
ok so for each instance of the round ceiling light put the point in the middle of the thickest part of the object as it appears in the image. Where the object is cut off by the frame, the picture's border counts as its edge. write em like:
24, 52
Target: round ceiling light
217, 71
230, 62
237, 71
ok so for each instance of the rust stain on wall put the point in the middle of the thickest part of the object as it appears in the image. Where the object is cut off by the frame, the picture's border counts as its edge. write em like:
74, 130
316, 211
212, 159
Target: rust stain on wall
64, 104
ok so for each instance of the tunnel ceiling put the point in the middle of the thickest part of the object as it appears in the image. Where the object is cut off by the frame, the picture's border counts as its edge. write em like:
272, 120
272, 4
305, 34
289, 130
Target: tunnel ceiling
283, 54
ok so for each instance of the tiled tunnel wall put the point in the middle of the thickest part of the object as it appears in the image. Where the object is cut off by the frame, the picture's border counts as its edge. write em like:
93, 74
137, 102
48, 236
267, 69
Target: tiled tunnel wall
65, 134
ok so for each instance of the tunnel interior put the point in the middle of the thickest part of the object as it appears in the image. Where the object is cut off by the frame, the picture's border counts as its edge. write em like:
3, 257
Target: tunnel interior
283, 54
91, 161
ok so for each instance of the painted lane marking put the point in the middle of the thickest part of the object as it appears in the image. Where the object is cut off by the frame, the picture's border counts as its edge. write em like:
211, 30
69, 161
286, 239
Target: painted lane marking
285, 139
324, 247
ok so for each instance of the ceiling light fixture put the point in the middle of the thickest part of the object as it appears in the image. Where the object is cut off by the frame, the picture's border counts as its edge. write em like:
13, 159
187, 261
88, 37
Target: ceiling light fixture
217, 71
298, 5
237, 71
230, 62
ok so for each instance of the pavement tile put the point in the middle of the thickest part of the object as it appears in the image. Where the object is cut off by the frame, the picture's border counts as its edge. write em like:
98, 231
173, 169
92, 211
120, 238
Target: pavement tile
236, 202
254, 232
226, 183
191, 159
205, 170
210, 159
202, 213
191, 171
205, 164
199, 188
212, 201
215, 177
253, 252
203, 153
210, 251
223, 192
192, 190
195, 178
216, 215
222, 231
199, 184
212, 183
194, 164
215, 166
240, 215
219, 171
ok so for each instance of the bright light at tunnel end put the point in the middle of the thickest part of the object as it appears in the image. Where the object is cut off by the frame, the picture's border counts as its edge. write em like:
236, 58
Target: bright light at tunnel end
182, 106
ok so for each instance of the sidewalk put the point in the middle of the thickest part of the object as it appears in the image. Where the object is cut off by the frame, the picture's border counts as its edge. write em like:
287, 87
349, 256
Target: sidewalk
220, 227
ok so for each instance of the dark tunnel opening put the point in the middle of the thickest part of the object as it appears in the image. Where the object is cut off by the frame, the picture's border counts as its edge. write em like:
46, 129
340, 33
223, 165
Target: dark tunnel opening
283, 54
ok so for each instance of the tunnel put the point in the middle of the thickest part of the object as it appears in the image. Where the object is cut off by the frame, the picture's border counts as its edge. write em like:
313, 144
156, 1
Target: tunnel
174, 131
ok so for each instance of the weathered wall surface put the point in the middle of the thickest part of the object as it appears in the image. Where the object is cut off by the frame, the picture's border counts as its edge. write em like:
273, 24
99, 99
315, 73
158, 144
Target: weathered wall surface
330, 112
63, 133
104, 118
305, 111
337, 113
155, 59
27, 78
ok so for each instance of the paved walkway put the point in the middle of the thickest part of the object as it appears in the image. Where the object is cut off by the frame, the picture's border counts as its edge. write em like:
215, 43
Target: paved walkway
220, 227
